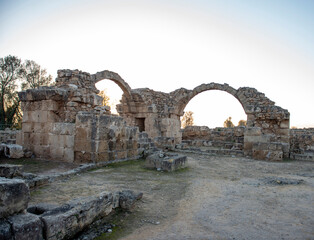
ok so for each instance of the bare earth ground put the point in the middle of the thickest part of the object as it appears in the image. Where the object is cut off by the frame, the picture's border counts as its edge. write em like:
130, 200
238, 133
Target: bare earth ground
214, 198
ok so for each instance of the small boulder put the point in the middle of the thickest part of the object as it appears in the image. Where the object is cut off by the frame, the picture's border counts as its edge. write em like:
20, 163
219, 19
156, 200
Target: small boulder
127, 199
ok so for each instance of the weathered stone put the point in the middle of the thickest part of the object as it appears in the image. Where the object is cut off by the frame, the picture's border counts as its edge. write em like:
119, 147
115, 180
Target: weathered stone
26, 226
14, 196
66, 221
127, 199
165, 162
156, 113
13, 151
10, 170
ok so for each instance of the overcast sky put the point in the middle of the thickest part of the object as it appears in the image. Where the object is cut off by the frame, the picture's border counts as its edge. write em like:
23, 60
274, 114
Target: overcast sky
165, 45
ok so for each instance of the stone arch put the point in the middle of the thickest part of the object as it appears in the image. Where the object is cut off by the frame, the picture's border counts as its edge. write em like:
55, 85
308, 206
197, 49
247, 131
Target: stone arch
116, 79
189, 95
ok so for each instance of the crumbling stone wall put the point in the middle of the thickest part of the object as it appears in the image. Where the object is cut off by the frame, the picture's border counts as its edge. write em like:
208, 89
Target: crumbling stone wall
103, 138
266, 122
53, 122
302, 144
224, 138
266, 135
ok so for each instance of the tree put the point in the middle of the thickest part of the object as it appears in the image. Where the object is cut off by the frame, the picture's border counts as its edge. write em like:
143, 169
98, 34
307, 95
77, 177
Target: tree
34, 75
10, 72
228, 123
242, 123
106, 99
187, 119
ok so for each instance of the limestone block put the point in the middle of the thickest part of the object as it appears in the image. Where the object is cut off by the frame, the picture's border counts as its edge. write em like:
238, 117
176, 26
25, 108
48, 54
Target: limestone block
39, 139
284, 132
82, 157
68, 154
57, 152
10, 170
166, 162
27, 126
26, 226
83, 145
69, 141
60, 128
51, 117
76, 215
49, 105
122, 154
102, 157
102, 145
132, 153
13, 151
37, 116
253, 131
82, 134
14, 196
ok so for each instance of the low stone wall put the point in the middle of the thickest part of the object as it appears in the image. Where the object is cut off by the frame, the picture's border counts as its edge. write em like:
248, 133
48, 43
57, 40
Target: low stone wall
225, 138
264, 146
8, 136
302, 144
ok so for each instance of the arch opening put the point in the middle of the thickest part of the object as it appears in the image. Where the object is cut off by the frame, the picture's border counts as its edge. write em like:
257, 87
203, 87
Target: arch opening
211, 110
213, 107
111, 90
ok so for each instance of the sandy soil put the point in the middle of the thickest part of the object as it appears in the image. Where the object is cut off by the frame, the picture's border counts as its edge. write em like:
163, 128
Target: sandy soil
214, 198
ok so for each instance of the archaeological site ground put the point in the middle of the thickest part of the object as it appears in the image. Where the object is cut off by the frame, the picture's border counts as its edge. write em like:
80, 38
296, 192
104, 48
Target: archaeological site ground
76, 171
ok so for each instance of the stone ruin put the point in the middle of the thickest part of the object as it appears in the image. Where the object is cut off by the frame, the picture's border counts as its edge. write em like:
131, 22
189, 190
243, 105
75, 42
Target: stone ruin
67, 122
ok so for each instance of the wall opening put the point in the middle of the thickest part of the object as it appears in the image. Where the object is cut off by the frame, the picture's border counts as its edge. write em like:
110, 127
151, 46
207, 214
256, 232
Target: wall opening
112, 91
140, 123
213, 107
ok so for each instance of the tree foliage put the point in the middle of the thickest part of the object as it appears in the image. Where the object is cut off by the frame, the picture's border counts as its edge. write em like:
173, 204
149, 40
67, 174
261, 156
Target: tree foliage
34, 75
106, 99
187, 119
242, 123
228, 123
12, 75
10, 72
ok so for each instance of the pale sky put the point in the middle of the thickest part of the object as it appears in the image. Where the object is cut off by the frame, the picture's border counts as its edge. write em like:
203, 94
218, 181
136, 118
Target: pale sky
165, 45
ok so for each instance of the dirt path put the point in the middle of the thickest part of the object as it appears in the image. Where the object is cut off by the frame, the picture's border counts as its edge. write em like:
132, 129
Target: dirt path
215, 198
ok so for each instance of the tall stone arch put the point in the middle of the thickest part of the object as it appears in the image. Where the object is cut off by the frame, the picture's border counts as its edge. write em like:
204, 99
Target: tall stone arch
267, 131
266, 134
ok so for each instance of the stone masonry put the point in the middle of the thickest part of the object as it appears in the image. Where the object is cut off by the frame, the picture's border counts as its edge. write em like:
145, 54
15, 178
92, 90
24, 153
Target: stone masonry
52, 116
66, 122
225, 138
159, 115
